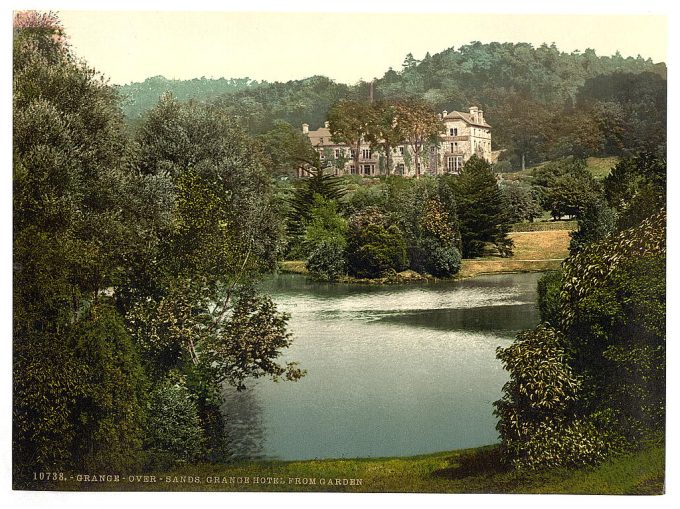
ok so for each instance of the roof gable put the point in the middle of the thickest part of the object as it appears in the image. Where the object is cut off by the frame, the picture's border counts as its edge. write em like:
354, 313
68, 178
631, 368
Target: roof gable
466, 117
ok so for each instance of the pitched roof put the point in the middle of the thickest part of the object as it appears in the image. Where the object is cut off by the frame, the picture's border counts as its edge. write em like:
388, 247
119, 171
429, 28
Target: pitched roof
322, 136
466, 117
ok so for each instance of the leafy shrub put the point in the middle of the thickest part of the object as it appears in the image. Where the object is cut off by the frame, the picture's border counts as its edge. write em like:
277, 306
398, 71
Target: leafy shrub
596, 221
567, 443
325, 225
111, 408
174, 428
432, 257
327, 261
522, 200
596, 384
373, 248
542, 391
548, 289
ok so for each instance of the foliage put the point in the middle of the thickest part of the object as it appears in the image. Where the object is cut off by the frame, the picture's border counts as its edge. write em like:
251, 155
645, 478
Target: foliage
540, 423
373, 246
636, 188
434, 257
295, 102
540, 395
420, 126
570, 195
348, 123
109, 414
325, 225
548, 289
482, 210
326, 262
139, 98
174, 432
596, 221
76, 226
131, 259
304, 200
288, 150
566, 187
577, 443
425, 211
522, 200
613, 297
386, 129
629, 109
224, 233
435, 250
362, 197
610, 344
252, 339
542, 102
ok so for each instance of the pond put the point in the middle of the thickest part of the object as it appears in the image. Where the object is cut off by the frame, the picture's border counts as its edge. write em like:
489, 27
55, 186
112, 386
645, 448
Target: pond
391, 370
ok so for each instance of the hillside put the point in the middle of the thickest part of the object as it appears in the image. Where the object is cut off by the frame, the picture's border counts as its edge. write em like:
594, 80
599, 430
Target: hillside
541, 103
139, 98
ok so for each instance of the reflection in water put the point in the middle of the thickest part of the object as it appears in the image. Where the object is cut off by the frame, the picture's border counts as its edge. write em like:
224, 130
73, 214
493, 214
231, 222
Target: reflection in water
394, 370
244, 427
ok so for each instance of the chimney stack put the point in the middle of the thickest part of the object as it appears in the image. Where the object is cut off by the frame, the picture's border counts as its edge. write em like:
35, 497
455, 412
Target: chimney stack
305, 128
481, 116
473, 113
326, 124
444, 113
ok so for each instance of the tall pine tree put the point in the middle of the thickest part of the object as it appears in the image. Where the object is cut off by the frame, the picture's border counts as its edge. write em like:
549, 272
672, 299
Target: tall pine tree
482, 209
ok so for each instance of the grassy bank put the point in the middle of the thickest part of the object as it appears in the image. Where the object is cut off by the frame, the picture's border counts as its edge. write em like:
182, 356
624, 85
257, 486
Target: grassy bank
465, 471
599, 167
534, 251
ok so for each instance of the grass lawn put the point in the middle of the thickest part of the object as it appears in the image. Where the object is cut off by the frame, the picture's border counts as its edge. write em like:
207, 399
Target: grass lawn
536, 251
601, 166
465, 471
598, 166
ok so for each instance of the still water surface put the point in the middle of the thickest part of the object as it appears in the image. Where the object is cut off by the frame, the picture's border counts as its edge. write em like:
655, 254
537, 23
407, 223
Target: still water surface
391, 371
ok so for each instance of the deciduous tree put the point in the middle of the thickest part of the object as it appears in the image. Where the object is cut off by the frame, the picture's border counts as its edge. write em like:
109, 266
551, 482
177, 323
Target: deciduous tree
421, 126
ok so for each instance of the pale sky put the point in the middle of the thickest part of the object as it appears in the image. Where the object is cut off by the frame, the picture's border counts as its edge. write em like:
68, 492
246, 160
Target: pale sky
133, 45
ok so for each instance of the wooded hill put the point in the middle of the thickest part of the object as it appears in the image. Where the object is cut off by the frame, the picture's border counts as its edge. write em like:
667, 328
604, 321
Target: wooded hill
541, 102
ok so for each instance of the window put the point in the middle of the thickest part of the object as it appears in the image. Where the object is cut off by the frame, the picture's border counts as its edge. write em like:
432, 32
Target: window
451, 132
454, 164
455, 131
337, 152
352, 170
400, 169
353, 152
366, 153
367, 169
452, 146
401, 150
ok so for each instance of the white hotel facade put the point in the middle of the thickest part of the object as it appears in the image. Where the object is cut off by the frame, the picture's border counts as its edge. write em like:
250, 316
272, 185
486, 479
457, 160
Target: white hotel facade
466, 134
